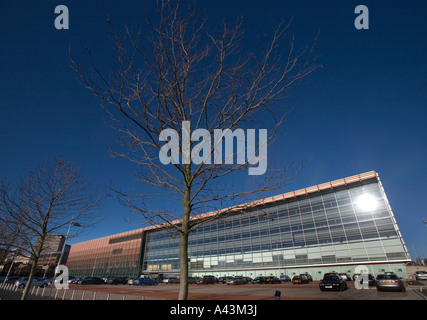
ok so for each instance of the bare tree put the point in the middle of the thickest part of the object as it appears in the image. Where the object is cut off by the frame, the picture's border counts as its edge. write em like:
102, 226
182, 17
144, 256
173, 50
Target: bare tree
44, 203
180, 76
9, 236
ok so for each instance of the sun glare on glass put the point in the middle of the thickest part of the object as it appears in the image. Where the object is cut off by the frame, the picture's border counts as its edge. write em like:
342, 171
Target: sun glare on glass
367, 202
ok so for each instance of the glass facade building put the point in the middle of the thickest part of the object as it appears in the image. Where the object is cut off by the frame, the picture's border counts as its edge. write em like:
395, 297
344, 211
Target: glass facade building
335, 226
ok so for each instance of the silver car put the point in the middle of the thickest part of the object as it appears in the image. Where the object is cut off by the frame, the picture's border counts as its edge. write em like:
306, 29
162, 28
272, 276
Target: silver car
421, 275
236, 280
39, 282
389, 282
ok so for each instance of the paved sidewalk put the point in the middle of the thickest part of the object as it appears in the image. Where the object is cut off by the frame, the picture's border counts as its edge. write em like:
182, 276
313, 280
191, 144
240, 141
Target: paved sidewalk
16, 295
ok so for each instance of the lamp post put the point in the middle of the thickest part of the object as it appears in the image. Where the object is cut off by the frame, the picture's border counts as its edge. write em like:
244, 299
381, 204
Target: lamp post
75, 224
72, 223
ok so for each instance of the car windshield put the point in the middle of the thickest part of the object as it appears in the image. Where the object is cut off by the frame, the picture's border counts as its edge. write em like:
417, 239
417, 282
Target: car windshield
421, 272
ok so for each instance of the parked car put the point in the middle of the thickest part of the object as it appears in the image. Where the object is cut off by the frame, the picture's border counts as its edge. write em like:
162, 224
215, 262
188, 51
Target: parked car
259, 280
10, 279
224, 279
272, 280
344, 276
285, 278
248, 279
332, 282
192, 280
236, 281
207, 280
420, 275
306, 276
389, 282
118, 280
145, 282
310, 278
107, 279
170, 280
299, 279
74, 281
91, 280
173, 280
39, 282
371, 279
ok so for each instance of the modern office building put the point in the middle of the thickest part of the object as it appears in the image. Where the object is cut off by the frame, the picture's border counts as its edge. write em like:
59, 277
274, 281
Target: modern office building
335, 226
52, 249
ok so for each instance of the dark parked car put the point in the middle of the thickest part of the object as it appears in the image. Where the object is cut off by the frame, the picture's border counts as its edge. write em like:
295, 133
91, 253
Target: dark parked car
355, 276
173, 280
91, 280
118, 280
360, 278
371, 279
192, 280
224, 279
332, 282
74, 281
259, 280
389, 282
207, 280
272, 280
299, 279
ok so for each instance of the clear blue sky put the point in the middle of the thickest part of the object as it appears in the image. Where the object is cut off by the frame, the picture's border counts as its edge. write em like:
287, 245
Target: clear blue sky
364, 110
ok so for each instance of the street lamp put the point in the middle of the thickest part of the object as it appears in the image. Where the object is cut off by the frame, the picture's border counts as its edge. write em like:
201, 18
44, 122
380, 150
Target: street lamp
72, 223
75, 224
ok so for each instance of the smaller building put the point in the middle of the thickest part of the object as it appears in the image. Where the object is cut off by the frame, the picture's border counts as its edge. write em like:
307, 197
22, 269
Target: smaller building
52, 249
19, 263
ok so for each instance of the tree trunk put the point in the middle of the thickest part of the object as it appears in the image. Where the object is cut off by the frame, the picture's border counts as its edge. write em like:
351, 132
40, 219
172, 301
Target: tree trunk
33, 270
185, 231
183, 258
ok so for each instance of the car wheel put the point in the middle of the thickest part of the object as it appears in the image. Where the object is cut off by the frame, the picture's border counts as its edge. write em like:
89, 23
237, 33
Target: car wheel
21, 286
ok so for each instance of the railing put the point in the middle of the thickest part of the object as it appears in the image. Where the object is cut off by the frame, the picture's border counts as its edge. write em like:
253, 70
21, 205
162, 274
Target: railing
70, 294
